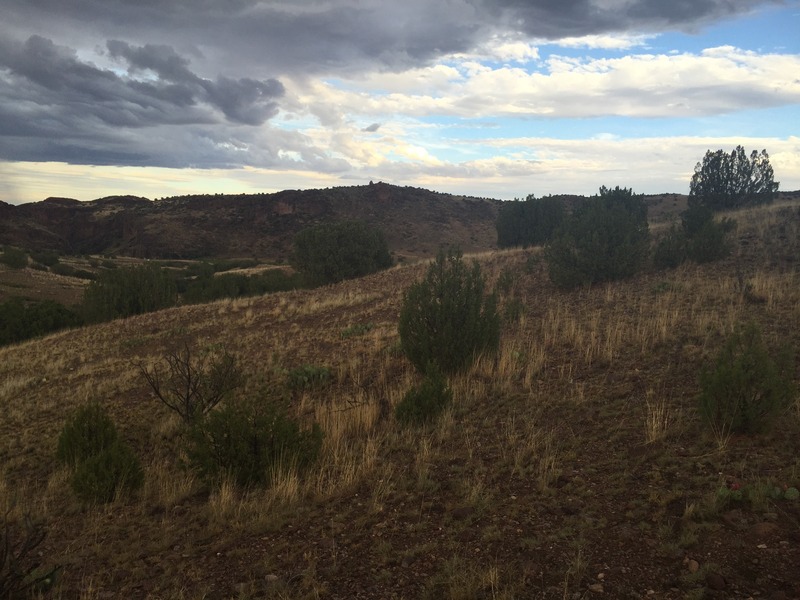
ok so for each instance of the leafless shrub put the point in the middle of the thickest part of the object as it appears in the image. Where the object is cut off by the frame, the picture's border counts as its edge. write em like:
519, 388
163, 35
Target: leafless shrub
20, 571
191, 383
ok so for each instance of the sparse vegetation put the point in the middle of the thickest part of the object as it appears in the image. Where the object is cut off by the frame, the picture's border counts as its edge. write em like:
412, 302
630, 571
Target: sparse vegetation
448, 319
571, 460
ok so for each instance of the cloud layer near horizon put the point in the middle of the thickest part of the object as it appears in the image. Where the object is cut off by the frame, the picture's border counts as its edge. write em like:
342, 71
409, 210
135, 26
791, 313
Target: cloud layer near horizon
354, 89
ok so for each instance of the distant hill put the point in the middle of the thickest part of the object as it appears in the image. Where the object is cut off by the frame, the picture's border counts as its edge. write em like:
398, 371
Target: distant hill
415, 222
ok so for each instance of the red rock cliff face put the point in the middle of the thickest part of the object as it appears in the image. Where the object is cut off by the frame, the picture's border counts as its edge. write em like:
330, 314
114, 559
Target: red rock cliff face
415, 222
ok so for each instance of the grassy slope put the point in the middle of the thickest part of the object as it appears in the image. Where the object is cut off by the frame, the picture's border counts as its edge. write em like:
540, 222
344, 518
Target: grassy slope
573, 459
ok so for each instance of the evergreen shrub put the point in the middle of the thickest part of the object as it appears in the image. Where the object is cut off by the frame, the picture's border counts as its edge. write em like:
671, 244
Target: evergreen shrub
424, 403
101, 477
448, 319
248, 441
746, 388
87, 433
102, 464
606, 238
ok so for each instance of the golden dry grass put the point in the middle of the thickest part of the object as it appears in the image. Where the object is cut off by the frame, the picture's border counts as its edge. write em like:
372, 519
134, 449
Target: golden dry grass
578, 375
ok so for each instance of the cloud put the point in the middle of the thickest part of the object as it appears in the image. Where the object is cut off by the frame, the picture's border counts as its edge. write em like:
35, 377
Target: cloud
346, 36
716, 81
605, 42
55, 106
350, 87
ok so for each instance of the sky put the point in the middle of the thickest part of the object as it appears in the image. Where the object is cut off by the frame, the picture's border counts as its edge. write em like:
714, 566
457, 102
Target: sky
488, 98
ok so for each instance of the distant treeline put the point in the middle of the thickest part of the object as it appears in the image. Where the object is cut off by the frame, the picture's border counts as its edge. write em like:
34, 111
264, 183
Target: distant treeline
323, 254
20, 321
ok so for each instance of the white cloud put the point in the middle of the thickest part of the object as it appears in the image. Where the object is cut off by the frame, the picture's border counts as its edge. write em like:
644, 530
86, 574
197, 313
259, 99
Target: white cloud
719, 80
604, 42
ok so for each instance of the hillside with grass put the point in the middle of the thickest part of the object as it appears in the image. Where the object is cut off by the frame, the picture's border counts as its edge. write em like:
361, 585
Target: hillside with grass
414, 220
573, 463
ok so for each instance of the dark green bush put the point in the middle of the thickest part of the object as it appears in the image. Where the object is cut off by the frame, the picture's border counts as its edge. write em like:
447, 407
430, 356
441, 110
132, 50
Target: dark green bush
606, 238
70, 271
20, 321
14, 258
102, 463
724, 181
87, 433
700, 239
424, 403
211, 287
248, 441
102, 476
48, 259
710, 241
448, 319
128, 291
746, 388
670, 251
531, 222
335, 251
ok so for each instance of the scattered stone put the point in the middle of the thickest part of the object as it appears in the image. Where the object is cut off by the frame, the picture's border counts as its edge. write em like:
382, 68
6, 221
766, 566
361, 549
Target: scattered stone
715, 581
596, 588
601, 576
693, 566
271, 578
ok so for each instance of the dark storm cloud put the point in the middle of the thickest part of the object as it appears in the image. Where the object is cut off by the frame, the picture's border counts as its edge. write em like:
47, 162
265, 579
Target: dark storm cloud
162, 60
317, 36
372, 128
54, 106
195, 82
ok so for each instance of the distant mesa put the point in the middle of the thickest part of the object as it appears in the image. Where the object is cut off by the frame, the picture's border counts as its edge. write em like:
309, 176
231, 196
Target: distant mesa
415, 222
